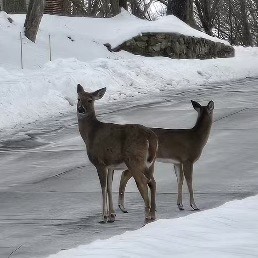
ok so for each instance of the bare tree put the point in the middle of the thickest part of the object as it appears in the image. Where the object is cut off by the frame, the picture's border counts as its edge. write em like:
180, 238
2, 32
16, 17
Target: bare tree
123, 4
253, 7
33, 18
79, 8
66, 7
135, 8
182, 9
236, 21
14, 6
247, 38
232, 20
207, 10
141, 8
115, 7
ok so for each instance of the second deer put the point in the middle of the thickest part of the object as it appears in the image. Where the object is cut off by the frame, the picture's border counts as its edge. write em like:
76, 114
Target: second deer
181, 147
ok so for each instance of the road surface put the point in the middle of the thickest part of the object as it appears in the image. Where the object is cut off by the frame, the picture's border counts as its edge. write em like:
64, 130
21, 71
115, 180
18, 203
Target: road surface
49, 192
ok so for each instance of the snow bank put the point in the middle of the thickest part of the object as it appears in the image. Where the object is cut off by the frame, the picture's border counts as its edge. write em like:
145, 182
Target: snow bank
35, 94
79, 37
227, 231
79, 56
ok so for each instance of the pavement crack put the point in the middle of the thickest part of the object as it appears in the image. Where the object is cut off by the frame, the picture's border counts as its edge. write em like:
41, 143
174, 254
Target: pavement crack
15, 250
231, 114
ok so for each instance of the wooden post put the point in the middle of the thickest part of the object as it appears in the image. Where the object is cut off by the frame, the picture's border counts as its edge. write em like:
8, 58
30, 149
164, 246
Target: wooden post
21, 51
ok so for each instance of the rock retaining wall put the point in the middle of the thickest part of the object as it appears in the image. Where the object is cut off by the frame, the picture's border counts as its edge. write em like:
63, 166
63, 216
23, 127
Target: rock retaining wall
175, 46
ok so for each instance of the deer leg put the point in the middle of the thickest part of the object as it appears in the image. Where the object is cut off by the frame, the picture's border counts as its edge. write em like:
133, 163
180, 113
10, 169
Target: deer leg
102, 173
152, 186
112, 214
180, 181
188, 172
126, 175
142, 185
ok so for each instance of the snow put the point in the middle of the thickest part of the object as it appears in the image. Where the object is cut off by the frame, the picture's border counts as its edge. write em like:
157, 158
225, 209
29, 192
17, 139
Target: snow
227, 231
46, 89
30, 95
49, 88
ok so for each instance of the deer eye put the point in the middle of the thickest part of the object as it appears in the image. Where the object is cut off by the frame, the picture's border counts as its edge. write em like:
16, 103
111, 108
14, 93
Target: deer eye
90, 100
79, 99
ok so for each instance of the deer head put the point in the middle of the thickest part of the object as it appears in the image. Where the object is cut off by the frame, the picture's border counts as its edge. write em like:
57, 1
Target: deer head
202, 111
85, 105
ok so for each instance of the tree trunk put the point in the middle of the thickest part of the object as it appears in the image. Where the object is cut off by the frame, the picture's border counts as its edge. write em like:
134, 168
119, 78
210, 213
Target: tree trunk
94, 8
205, 15
182, 9
66, 8
136, 10
33, 18
178, 8
247, 37
123, 4
115, 7
79, 6
230, 16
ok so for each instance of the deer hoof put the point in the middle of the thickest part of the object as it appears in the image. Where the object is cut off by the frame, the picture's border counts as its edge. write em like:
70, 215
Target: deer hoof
153, 215
195, 208
152, 219
112, 218
122, 208
104, 221
148, 220
180, 207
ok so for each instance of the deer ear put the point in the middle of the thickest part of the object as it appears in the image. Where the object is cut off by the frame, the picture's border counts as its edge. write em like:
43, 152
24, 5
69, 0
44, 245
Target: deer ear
210, 105
196, 105
98, 94
79, 88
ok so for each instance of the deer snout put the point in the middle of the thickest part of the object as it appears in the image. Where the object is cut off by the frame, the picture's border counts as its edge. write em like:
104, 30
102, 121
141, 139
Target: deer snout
81, 109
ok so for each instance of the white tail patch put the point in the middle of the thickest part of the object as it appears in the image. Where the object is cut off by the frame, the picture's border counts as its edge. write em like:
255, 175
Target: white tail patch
120, 166
171, 161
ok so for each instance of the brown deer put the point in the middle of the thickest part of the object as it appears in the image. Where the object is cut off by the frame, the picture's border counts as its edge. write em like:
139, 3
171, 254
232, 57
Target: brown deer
113, 146
182, 147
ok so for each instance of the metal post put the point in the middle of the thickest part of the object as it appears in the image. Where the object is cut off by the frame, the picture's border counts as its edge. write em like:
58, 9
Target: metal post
50, 50
21, 51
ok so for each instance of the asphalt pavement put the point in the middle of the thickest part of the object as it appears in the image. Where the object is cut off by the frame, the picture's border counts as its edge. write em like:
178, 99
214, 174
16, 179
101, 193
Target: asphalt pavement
50, 196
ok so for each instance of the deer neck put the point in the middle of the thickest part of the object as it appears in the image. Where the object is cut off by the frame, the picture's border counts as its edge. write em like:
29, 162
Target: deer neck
87, 125
202, 128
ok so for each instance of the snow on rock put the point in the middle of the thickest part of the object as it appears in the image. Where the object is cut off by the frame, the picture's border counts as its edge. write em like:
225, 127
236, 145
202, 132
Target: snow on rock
227, 231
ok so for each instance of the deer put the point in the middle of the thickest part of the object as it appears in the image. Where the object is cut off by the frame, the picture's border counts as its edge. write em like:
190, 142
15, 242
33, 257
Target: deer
181, 147
112, 146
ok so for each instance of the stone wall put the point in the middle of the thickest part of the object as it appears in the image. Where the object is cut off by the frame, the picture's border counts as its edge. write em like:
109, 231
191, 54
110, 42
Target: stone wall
175, 46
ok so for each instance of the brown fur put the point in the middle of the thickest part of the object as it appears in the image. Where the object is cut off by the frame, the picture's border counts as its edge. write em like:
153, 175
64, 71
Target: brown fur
183, 147
110, 145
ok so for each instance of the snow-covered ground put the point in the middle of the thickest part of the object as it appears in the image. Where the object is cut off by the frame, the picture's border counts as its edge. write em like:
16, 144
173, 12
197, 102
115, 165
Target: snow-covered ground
44, 89
49, 88
227, 231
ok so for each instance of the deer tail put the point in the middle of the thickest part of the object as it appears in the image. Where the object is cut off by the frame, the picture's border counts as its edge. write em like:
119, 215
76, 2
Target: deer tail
153, 146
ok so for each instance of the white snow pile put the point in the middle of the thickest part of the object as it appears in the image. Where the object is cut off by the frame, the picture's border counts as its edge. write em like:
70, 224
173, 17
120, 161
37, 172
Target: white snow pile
228, 231
84, 38
45, 89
